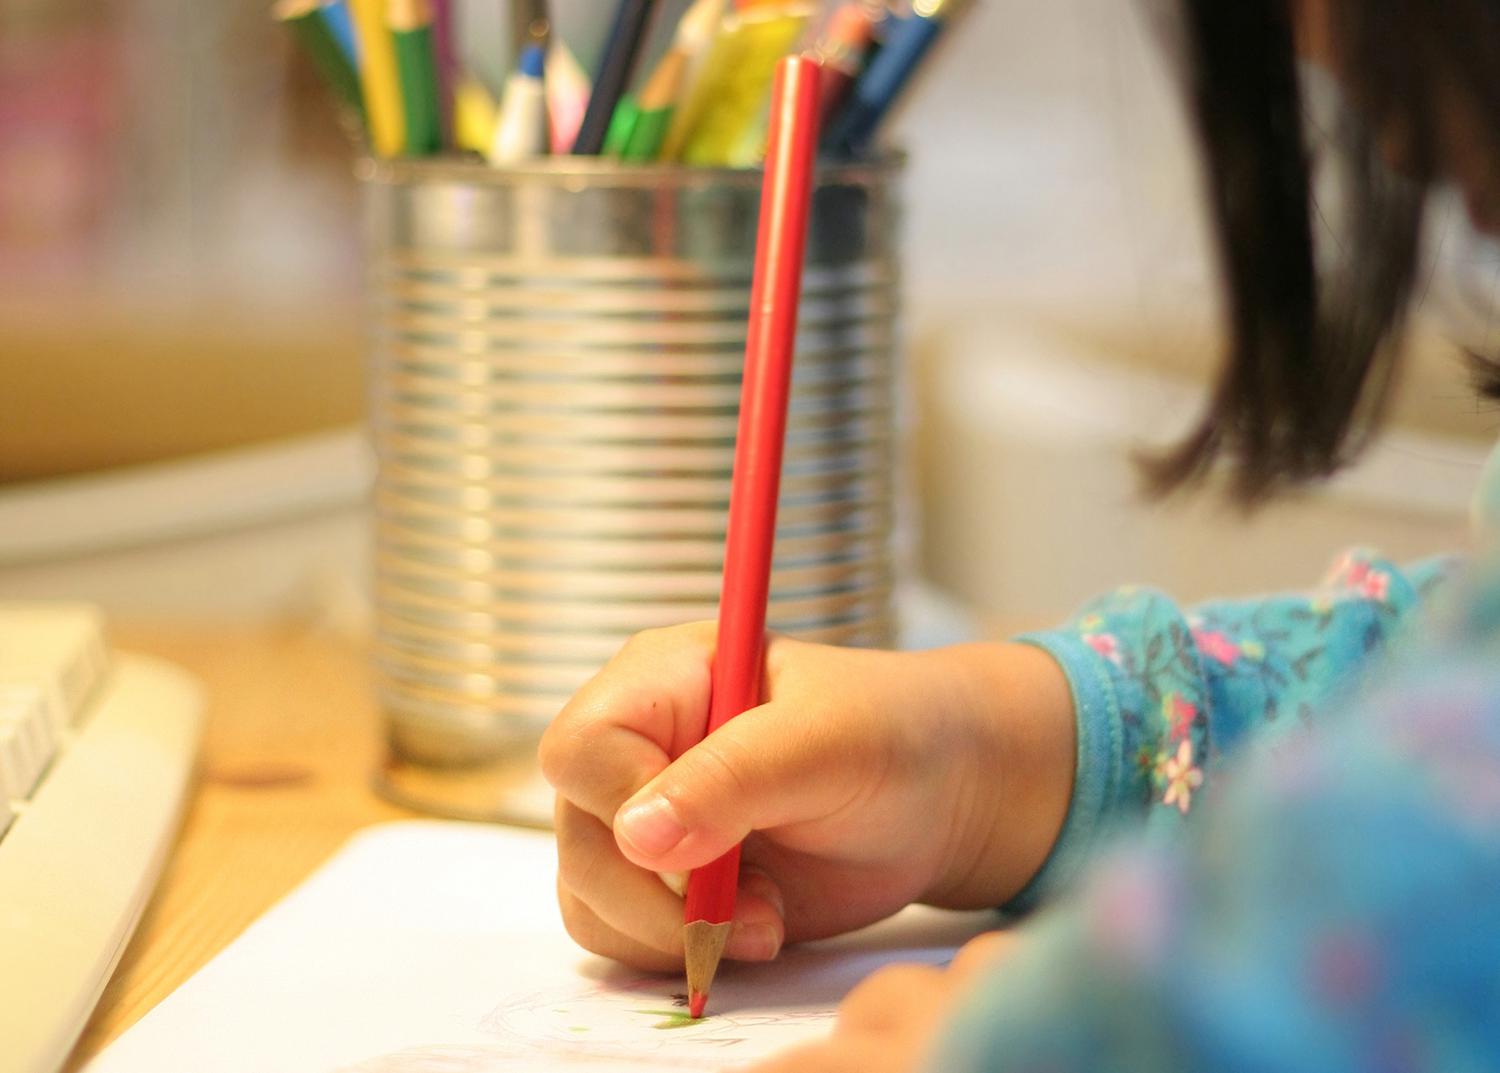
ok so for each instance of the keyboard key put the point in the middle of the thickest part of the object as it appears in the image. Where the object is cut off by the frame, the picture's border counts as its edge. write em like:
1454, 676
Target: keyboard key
28, 740
15, 761
61, 643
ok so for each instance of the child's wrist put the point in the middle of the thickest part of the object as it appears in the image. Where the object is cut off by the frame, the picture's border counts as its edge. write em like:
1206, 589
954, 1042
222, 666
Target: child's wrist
1018, 768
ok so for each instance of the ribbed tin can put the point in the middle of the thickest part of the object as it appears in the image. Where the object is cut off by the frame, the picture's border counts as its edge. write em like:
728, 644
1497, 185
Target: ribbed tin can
555, 355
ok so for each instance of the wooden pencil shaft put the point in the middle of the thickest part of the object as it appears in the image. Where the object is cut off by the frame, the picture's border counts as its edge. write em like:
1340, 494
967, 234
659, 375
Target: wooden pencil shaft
445, 56
287, 10
703, 948
750, 536
621, 127
615, 67
316, 38
405, 15
419, 91
775, 291
647, 135
837, 85
378, 77
756, 41
711, 889
660, 90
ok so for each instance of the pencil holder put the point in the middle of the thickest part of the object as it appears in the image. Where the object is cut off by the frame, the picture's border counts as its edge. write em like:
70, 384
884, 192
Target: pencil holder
555, 355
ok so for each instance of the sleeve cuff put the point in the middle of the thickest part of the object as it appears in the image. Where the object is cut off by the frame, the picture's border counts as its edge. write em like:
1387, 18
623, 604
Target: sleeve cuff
1096, 773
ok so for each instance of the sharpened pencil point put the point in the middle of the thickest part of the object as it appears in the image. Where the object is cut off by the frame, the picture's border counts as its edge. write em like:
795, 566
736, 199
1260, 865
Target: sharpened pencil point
703, 945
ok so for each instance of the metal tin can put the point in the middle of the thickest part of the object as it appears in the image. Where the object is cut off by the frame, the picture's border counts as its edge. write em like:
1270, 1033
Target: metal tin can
555, 354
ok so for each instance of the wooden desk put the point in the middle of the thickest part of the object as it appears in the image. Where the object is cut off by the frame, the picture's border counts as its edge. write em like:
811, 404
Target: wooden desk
291, 739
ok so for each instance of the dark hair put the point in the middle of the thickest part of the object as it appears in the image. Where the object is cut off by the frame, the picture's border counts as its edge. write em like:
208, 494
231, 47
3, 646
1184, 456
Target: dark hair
1312, 357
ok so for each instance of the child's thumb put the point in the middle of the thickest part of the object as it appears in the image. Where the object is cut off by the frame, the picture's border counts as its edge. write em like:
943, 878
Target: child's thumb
745, 776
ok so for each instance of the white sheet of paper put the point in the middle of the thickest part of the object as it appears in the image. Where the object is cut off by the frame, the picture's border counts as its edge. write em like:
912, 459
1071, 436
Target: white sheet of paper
436, 947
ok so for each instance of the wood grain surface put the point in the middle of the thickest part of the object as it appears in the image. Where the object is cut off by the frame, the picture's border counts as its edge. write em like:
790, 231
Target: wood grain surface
291, 740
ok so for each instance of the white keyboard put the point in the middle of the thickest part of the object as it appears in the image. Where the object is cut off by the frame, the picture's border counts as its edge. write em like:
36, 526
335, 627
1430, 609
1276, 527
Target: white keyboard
95, 757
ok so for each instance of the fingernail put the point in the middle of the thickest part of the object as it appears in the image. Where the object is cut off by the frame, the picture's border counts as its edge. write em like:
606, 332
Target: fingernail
753, 942
760, 884
651, 826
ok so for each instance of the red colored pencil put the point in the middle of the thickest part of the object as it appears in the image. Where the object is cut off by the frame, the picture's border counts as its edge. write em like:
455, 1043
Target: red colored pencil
786, 193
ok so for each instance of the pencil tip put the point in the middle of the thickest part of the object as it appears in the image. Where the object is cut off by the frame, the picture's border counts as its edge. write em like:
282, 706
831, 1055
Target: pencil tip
703, 946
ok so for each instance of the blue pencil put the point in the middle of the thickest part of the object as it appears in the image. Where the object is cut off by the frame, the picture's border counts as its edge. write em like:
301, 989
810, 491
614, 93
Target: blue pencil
336, 14
906, 43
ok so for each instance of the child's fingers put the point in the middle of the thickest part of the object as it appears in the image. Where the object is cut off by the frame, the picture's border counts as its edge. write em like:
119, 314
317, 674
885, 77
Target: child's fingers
890, 998
981, 952
637, 907
630, 900
825, 1056
591, 933
769, 767
625, 724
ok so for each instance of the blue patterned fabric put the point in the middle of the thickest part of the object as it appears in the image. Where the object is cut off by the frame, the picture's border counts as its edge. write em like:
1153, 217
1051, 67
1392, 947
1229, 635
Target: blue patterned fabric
1165, 696
1283, 849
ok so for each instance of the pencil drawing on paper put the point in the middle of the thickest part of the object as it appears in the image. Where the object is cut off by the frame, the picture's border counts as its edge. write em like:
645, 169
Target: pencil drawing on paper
618, 1021
635, 1023
636, 1017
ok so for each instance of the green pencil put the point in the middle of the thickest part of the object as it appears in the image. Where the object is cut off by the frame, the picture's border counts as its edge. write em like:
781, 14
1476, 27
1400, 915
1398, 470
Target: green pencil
657, 101
621, 126
315, 36
410, 22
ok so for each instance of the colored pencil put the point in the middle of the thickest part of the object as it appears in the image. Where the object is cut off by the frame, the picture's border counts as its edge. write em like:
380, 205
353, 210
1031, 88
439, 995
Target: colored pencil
621, 51
336, 14
445, 58
410, 23
841, 51
906, 43
377, 77
474, 114
786, 194
621, 126
751, 44
657, 99
521, 129
567, 93
317, 39
531, 24
674, 76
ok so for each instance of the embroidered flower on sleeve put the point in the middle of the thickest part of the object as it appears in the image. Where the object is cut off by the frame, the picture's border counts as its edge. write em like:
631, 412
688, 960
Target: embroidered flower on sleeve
1338, 573
1217, 646
1354, 574
1105, 644
1181, 777
1178, 715
1375, 584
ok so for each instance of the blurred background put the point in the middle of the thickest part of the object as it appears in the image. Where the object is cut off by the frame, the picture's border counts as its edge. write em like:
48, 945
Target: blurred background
180, 369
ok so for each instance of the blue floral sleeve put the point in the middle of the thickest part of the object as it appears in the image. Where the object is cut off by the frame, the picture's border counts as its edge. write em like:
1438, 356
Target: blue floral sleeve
1333, 910
1164, 695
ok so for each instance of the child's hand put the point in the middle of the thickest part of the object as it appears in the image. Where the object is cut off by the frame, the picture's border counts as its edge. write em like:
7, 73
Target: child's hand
867, 780
889, 1023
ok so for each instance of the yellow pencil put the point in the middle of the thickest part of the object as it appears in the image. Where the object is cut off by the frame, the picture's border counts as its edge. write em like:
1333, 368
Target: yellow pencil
377, 74
747, 50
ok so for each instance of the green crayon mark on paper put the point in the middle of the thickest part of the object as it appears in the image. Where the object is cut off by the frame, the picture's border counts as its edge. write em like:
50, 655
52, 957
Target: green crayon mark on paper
670, 1018
577, 1028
